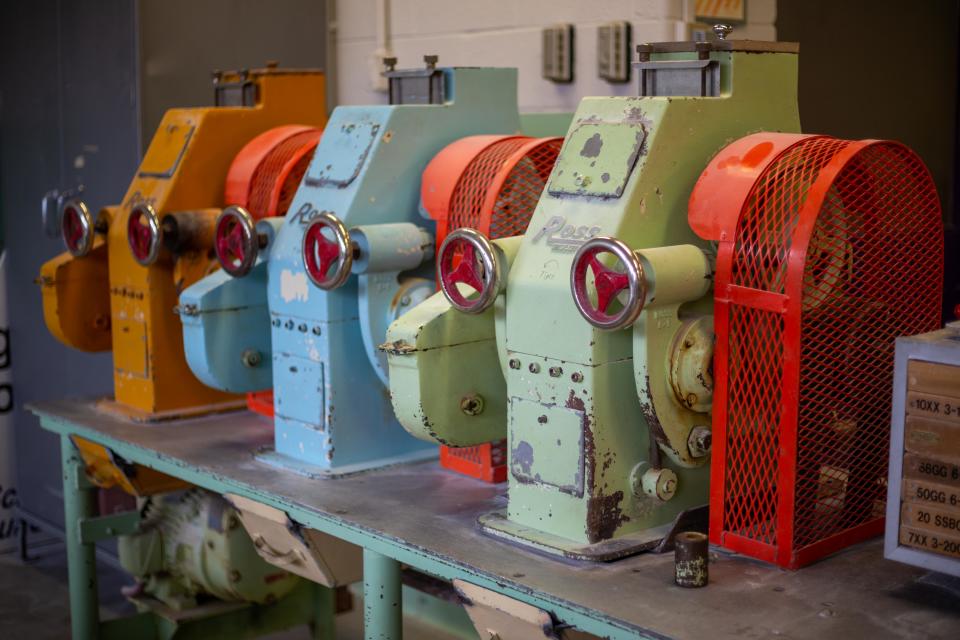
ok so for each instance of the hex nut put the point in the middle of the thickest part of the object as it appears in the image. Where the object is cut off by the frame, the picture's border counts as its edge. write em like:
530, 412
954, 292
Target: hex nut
700, 441
472, 404
251, 358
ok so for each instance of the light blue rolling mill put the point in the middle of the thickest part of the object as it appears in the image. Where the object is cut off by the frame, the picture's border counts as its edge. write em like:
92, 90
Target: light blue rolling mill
332, 407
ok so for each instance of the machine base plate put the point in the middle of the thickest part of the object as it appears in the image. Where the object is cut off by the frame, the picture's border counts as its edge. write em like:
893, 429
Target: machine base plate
114, 408
303, 468
656, 539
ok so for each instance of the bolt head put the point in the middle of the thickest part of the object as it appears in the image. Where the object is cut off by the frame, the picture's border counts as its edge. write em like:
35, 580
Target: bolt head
472, 404
700, 441
514, 363
722, 30
534, 367
251, 358
660, 484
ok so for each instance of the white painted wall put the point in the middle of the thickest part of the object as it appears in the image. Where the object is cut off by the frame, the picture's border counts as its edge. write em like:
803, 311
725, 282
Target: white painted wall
506, 33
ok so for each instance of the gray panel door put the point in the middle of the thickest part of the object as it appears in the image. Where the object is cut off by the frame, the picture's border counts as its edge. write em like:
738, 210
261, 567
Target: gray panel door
68, 117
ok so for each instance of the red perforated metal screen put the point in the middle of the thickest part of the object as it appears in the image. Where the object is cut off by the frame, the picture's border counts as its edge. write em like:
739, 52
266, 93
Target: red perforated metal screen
838, 250
502, 209
265, 177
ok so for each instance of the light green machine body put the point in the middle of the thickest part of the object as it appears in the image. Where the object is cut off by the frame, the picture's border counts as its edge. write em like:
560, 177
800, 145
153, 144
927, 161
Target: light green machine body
608, 430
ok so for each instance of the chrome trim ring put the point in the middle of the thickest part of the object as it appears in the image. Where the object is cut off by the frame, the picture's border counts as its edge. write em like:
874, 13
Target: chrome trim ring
611, 285
236, 245
488, 284
318, 264
76, 227
144, 240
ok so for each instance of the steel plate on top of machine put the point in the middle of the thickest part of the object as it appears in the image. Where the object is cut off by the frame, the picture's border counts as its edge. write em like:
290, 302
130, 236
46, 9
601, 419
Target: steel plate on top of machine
166, 150
344, 156
597, 159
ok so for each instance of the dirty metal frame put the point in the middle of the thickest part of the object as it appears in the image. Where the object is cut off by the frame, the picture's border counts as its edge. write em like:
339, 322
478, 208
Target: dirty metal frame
310, 603
383, 554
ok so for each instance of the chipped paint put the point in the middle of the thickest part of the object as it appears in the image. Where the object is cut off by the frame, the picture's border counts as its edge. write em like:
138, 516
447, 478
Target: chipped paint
293, 286
592, 146
522, 456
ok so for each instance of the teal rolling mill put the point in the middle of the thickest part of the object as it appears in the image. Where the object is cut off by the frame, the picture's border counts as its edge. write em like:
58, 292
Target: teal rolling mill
298, 319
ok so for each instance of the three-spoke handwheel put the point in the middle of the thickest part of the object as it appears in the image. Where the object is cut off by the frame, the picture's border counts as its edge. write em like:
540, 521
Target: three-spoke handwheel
236, 241
623, 285
467, 257
143, 234
76, 227
327, 251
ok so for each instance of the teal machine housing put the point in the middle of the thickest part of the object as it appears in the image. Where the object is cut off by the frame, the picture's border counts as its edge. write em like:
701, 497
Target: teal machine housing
318, 347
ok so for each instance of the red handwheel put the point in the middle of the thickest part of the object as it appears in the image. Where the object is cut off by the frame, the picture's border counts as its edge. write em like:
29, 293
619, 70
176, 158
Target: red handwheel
327, 251
610, 284
143, 234
468, 258
236, 241
76, 227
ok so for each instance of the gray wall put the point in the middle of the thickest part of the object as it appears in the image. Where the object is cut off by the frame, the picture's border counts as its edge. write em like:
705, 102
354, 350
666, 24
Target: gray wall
68, 116
83, 84
885, 69
177, 54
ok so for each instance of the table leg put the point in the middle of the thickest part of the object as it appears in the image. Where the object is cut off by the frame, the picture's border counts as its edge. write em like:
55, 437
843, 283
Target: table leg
382, 601
79, 502
324, 610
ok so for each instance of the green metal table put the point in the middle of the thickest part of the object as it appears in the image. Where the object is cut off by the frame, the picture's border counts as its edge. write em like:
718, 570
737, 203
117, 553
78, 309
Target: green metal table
424, 517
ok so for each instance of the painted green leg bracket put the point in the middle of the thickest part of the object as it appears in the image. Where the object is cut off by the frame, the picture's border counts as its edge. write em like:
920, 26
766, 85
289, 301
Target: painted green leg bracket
79, 504
93, 530
325, 609
382, 597
308, 603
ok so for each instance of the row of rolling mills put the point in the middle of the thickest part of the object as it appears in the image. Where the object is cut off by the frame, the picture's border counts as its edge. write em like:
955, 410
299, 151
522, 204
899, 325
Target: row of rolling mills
665, 318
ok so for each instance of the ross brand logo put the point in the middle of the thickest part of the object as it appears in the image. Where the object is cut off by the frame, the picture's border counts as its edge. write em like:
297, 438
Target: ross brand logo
137, 198
305, 214
564, 237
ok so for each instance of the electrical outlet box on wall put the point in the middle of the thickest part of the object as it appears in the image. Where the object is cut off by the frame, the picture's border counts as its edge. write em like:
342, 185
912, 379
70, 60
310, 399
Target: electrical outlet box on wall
558, 53
375, 65
613, 51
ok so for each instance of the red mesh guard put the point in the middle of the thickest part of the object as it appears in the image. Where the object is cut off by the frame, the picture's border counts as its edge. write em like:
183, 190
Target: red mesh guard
264, 181
487, 462
498, 206
838, 250
500, 209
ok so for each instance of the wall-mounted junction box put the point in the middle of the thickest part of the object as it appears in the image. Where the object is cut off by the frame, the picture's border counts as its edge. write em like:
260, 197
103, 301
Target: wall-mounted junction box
613, 51
558, 53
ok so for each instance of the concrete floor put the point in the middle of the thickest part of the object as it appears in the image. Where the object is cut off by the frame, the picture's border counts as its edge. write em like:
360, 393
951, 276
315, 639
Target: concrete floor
34, 601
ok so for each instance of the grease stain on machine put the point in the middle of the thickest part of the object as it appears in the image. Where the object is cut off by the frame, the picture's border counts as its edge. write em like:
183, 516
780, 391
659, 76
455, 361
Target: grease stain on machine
293, 286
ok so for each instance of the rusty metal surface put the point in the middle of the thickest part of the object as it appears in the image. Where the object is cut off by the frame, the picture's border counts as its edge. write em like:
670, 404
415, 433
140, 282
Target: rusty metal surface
431, 513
